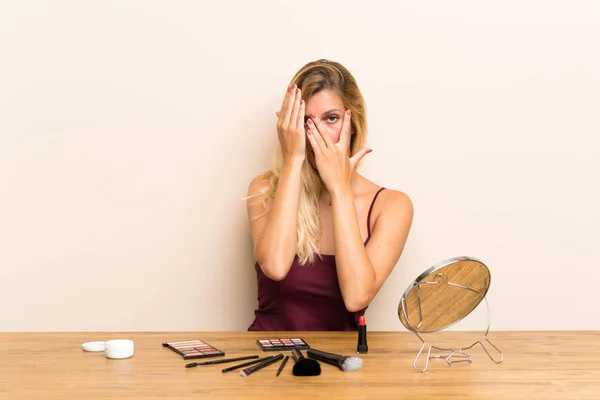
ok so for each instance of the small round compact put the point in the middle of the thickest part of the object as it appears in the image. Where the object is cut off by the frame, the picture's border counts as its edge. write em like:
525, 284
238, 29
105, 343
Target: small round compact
117, 349
94, 346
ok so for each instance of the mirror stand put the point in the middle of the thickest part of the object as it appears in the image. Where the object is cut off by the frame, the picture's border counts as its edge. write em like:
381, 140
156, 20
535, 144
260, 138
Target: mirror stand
457, 353
445, 303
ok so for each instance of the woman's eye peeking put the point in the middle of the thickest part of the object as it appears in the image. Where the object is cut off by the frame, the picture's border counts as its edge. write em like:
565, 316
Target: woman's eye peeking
332, 119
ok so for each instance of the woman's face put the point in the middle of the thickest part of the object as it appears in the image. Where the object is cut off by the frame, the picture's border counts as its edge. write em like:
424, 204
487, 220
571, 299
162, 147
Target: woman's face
329, 109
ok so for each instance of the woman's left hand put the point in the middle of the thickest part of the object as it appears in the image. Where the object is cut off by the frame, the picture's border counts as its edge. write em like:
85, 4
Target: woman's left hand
333, 162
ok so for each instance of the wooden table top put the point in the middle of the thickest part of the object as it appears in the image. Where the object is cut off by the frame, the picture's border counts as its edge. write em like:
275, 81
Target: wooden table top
540, 365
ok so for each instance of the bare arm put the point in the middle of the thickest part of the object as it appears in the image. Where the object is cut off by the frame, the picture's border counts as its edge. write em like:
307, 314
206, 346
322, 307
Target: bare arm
362, 270
274, 229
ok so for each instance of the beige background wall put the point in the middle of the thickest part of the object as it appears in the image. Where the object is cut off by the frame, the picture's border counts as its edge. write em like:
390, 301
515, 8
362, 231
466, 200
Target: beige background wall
129, 131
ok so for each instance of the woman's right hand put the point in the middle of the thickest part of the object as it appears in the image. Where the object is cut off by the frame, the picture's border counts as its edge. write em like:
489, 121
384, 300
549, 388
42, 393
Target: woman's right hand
290, 125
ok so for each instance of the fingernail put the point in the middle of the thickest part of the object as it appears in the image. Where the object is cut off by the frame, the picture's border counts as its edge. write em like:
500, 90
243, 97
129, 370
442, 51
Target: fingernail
347, 112
310, 121
301, 101
313, 115
308, 132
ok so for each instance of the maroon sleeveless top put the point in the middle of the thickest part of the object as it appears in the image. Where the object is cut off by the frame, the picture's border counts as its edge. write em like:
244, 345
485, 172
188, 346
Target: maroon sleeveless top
307, 299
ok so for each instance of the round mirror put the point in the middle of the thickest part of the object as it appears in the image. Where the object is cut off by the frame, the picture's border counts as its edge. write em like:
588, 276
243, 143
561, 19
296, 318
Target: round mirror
444, 294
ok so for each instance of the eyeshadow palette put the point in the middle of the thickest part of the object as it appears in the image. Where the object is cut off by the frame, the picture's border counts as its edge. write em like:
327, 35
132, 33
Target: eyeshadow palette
282, 344
194, 349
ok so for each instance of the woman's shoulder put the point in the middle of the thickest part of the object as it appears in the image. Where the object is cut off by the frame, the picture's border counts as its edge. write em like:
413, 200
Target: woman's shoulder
392, 210
396, 197
258, 201
389, 199
260, 184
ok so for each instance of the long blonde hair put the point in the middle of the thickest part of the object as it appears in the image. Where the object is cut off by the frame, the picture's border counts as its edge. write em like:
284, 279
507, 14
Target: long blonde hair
311, 79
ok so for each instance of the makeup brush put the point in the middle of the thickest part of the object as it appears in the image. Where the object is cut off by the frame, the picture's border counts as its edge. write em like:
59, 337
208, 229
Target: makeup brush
258, 360
221, 361
305, 366
261, 365
344, 363
285, 360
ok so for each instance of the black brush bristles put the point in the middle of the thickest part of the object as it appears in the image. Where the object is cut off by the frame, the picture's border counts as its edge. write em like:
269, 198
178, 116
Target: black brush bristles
305, 366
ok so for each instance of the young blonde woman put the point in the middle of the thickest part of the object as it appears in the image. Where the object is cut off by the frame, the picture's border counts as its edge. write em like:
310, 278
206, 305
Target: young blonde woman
325, 237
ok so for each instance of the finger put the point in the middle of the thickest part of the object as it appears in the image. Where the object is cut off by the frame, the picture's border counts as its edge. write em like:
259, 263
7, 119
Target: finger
359, 155
300, 116
345, 133
278, 113
289, 120
317, 123
315, 132
287, 94
295, 109
317, 137
287, 106
314, 143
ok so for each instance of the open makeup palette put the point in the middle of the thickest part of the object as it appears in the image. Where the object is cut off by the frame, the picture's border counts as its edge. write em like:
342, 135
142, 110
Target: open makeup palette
190, 349
282, 344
